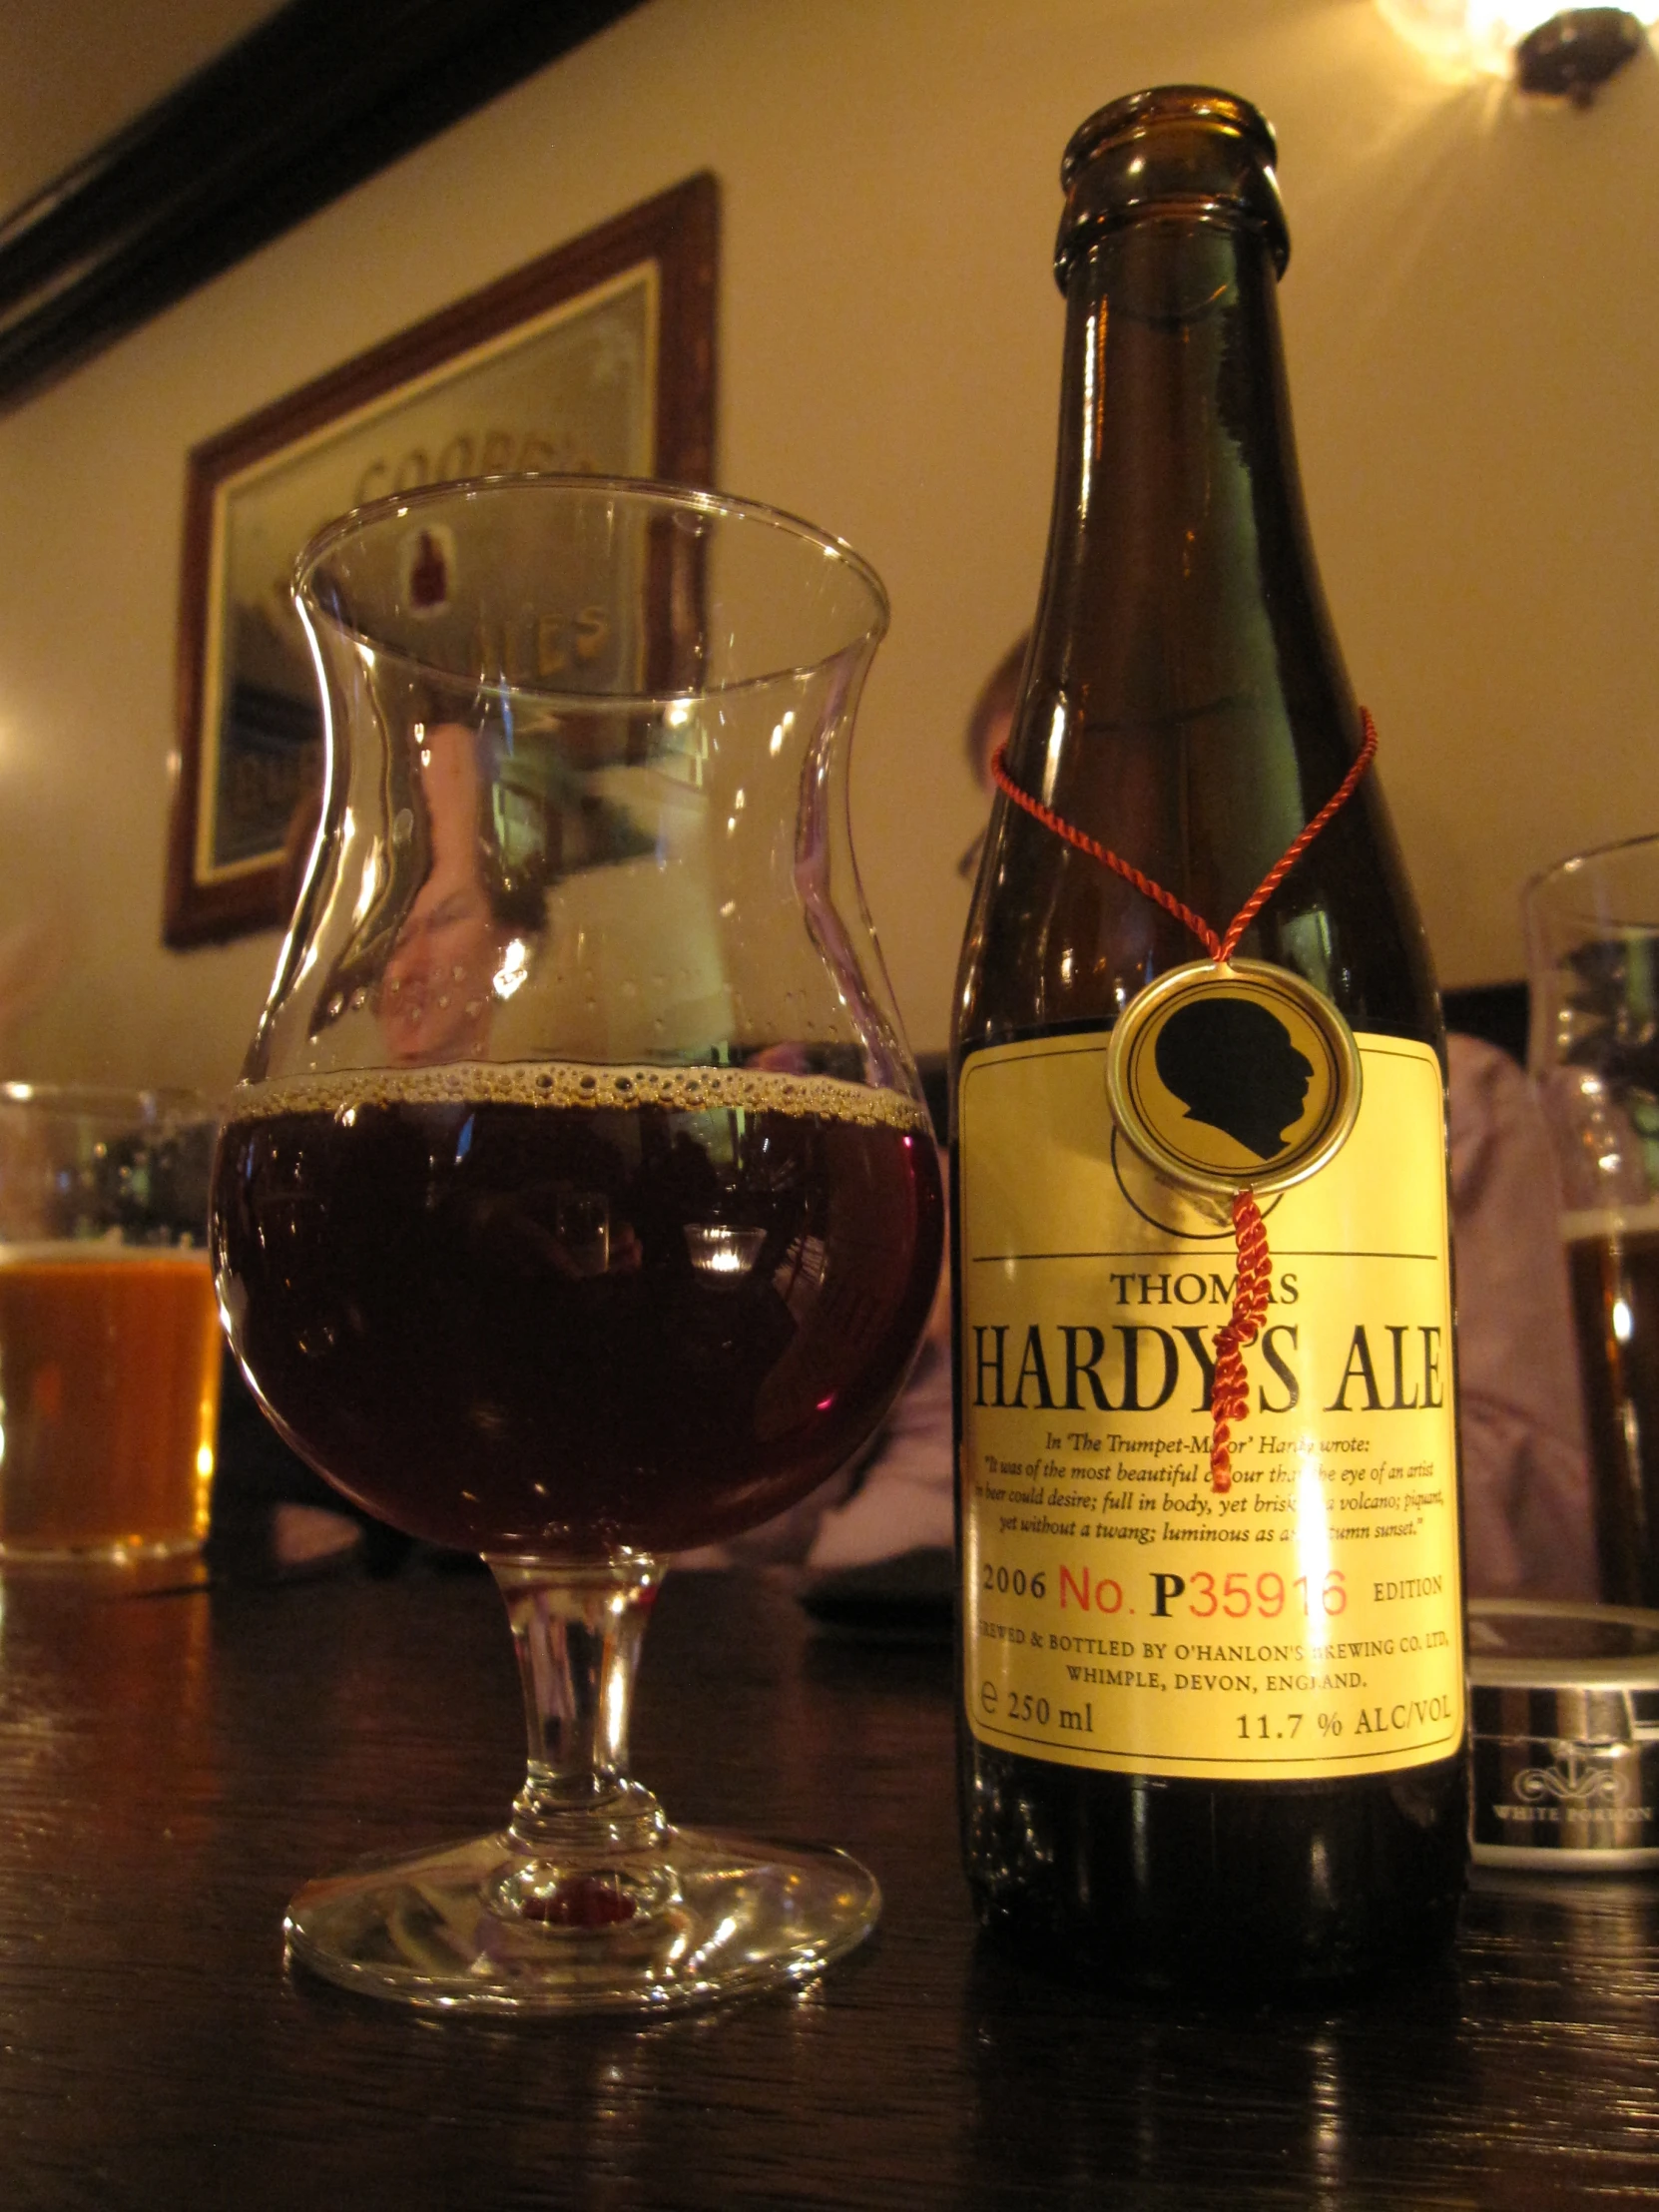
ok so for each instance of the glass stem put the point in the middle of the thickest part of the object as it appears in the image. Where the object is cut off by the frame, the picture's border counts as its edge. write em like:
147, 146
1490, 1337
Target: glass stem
578, 1631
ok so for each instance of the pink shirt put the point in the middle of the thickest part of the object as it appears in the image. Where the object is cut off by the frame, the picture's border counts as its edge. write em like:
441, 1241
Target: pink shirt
1526, 1483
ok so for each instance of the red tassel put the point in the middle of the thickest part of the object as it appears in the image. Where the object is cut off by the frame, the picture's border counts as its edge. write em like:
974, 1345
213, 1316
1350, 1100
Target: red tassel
1230, 1393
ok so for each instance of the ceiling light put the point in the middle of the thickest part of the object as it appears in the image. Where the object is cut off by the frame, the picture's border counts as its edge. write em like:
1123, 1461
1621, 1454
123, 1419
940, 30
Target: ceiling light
1567, 52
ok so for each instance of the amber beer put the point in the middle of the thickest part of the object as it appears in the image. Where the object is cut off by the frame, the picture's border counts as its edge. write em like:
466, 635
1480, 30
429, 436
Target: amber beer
109, 1401
1613, 1270
560, 1311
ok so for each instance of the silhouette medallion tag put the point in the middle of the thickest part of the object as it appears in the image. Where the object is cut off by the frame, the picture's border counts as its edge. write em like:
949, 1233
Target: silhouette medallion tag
1230, 1077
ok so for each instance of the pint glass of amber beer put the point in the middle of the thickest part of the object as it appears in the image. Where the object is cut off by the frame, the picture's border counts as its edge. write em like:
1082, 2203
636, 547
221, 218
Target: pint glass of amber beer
578, 1204
1593, 961
109, 1337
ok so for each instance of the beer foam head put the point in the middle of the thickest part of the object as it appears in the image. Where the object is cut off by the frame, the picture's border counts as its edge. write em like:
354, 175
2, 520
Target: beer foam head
562, 1083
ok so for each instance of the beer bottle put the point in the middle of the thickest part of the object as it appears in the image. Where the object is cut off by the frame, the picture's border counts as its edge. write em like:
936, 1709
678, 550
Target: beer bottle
1212, 1688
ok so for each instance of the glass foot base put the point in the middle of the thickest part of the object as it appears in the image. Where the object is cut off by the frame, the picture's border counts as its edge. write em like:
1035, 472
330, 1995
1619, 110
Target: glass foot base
479, 1926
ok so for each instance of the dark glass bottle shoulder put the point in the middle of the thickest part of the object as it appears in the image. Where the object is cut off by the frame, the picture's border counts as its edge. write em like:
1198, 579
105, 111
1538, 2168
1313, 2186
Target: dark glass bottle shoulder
1056, 942
1186, 700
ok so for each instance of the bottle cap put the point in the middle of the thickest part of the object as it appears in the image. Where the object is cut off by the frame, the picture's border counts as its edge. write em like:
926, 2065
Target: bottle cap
1185, 150
1564, 1735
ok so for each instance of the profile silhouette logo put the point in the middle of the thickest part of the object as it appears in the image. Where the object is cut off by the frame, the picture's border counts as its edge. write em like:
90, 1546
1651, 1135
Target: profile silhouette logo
1233, 1078
1233, 1066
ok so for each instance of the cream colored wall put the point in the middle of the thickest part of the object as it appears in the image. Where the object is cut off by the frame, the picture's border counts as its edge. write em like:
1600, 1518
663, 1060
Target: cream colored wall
1472, 317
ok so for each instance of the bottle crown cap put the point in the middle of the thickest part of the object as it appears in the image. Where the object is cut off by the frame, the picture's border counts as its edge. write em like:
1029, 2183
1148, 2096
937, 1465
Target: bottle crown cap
1188, 151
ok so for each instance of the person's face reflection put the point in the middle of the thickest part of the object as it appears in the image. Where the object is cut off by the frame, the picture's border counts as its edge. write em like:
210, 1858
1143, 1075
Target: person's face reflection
437, 992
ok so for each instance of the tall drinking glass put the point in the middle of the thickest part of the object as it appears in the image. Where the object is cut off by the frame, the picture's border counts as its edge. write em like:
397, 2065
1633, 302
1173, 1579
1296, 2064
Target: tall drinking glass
110, 1352
578, 1202
1592, 927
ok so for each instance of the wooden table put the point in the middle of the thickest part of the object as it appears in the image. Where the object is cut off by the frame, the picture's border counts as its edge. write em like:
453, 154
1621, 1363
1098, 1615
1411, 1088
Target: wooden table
171, 1766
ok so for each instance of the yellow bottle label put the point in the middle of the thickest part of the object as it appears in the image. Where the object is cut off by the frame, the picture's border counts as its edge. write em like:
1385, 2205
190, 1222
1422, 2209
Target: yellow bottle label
1119, 1613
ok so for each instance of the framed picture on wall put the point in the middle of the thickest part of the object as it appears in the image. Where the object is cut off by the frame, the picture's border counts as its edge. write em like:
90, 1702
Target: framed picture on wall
598, 358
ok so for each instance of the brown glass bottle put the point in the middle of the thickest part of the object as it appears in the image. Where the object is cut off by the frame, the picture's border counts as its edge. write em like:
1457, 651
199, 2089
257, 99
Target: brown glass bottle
1185, 702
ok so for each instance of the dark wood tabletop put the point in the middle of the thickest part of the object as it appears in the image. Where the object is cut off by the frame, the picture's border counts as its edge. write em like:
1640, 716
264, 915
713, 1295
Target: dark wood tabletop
172, 1765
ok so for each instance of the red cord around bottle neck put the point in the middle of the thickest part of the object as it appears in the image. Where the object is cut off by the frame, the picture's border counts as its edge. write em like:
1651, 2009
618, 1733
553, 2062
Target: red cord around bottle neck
1230, 1387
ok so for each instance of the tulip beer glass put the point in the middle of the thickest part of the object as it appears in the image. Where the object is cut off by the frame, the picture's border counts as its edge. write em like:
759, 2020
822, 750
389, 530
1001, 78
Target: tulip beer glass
578, 1204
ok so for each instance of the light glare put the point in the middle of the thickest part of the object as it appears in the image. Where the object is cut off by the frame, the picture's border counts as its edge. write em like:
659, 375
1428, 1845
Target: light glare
1463, 39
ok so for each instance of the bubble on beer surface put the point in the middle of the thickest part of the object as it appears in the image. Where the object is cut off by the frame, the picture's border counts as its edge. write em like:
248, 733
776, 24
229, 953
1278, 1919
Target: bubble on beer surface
539, 1083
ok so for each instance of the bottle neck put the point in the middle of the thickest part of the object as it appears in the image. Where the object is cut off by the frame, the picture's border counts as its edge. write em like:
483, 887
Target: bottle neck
1179, 580
1185, 704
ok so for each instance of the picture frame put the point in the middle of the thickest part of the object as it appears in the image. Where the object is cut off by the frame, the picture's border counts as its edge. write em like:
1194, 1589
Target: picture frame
598, 356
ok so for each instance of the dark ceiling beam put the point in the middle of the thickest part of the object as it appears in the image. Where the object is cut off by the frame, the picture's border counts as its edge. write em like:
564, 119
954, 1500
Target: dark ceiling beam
312, 102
